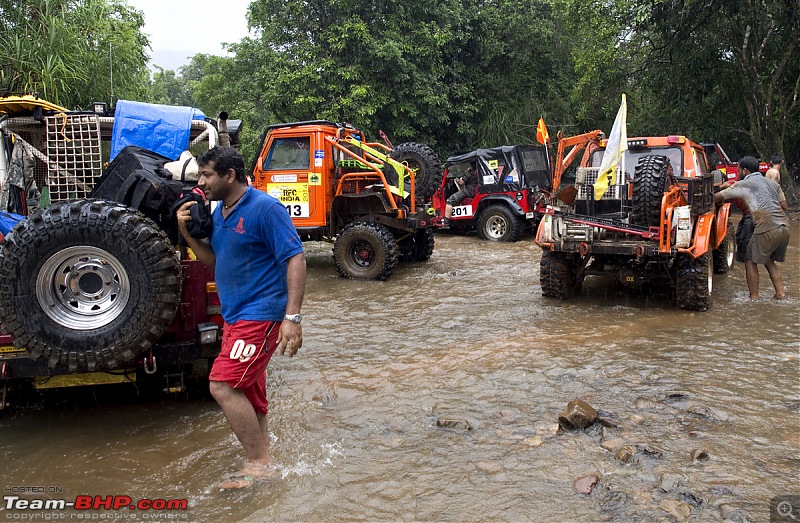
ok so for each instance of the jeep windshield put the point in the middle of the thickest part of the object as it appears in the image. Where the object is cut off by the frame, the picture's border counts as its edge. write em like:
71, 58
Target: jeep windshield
631, 158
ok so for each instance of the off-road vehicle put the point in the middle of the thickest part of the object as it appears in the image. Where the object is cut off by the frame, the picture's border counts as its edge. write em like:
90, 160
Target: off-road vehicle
94, 290
366, 197
510, 181
657, 225
719, 160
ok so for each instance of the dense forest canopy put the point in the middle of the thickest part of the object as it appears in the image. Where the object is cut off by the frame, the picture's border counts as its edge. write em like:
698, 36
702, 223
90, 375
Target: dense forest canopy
456, 74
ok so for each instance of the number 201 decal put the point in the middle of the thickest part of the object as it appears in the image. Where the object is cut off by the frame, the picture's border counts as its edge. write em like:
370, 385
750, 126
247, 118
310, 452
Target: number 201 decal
241, 351
462, 210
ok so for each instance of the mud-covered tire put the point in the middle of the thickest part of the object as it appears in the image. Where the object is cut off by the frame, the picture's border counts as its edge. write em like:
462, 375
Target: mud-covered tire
419, 246
724, 254
423, 161
694, 282
365, 251
498, 223
651, 178
87, 285
558, 275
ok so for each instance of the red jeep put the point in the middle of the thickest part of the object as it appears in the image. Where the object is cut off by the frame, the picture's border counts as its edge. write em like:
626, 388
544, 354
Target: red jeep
94, 290
509, 182
719, 160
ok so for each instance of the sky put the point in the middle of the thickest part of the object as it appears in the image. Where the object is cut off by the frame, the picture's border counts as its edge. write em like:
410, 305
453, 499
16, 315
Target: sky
179, 29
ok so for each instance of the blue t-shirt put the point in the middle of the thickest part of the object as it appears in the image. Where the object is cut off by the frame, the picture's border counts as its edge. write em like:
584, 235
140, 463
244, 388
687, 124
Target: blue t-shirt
251, 246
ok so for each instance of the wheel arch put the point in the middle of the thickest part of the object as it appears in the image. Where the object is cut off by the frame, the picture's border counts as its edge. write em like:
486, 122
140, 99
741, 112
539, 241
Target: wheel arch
345, 209
501, 199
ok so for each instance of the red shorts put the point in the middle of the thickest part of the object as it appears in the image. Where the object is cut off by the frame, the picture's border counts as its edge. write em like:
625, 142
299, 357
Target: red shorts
247, 347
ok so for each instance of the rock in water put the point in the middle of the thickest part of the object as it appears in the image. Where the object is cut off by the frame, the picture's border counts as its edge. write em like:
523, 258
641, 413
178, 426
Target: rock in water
454, 423
578, 415
585, 484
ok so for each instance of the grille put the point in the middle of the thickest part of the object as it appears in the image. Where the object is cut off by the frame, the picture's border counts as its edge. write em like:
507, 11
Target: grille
74, 155
587, 176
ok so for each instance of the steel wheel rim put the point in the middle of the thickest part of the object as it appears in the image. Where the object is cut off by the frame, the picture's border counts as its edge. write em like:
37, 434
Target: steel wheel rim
496, 227
82, 288
363, 254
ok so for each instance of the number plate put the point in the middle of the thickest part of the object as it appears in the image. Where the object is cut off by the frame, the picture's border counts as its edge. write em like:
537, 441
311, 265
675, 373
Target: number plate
293, 196
462, 211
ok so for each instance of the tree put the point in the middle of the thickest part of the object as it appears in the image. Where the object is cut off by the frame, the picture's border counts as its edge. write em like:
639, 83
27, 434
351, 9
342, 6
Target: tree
69, 51
728, 69
169, 88
454, 74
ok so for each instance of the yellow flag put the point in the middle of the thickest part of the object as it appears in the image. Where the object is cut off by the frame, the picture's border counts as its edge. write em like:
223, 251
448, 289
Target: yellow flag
617, 143
542, 136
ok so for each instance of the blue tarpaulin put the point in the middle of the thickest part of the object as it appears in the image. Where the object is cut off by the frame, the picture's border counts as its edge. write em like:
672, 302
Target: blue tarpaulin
163, 129
8, 221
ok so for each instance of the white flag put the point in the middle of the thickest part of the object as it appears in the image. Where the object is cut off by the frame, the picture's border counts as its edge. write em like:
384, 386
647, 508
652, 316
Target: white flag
617, 143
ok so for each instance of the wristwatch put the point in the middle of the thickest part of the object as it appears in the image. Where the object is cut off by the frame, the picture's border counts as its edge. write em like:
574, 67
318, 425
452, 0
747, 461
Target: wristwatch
294, 318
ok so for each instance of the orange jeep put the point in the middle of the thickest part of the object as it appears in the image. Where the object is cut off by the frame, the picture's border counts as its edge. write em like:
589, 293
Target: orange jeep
364, 196
656, 224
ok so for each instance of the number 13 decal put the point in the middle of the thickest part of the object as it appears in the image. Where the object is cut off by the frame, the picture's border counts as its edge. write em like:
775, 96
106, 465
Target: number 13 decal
294, 210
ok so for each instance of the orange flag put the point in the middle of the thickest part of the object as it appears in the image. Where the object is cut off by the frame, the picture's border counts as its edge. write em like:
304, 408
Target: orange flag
542, 136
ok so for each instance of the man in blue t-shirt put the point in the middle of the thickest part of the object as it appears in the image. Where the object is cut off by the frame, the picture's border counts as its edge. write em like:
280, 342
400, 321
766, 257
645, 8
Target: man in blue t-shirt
260, 271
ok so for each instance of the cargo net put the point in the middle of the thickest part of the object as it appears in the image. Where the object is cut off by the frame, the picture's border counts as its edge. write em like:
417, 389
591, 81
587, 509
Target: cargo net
74, 155
585, 180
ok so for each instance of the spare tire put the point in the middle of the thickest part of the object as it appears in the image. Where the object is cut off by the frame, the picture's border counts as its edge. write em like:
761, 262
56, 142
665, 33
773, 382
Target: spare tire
87, 285
426, 166
650, 180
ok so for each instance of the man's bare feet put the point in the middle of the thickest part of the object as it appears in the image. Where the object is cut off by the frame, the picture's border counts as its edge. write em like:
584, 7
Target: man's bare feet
237, 481
781, 297
259, 470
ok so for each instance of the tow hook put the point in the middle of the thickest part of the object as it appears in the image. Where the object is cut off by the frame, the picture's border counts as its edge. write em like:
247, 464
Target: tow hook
638, 251
150, 365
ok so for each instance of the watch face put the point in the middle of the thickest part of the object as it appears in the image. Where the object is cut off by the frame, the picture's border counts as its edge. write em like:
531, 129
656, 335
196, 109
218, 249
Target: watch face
295, 318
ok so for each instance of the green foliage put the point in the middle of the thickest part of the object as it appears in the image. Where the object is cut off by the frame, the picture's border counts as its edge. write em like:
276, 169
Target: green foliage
67, 51
721, 69
438, 72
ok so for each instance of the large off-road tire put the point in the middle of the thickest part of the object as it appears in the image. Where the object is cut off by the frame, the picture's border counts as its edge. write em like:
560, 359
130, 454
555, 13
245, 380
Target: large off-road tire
694, 282
724, 254
419, 246
87, 285
423, 161
558, 274
650, 180
498, 223
365, 251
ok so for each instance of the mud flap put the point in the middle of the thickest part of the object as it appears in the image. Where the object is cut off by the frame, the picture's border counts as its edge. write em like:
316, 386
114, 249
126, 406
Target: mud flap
702, 234
721, 230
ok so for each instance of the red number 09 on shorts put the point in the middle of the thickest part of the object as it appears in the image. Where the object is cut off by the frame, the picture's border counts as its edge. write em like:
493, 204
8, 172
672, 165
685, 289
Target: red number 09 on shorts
242, 352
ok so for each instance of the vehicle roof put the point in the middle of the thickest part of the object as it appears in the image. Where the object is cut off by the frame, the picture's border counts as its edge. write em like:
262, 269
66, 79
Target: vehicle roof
486, 154
312, 124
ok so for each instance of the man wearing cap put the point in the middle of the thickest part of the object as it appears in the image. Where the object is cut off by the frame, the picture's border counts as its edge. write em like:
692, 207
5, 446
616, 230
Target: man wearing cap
767, 205
260, 271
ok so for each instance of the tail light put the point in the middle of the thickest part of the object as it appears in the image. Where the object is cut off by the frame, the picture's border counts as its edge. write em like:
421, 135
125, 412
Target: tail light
675, 139
213, 305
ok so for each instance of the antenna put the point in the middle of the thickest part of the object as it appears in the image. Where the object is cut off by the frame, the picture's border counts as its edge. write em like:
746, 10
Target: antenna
111, 73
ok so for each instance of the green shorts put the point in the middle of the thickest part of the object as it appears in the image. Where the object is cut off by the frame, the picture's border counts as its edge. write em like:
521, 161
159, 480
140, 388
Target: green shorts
770, 245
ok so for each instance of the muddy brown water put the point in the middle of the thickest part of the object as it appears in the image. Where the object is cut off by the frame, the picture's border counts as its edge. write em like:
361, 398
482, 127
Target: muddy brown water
466, 337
